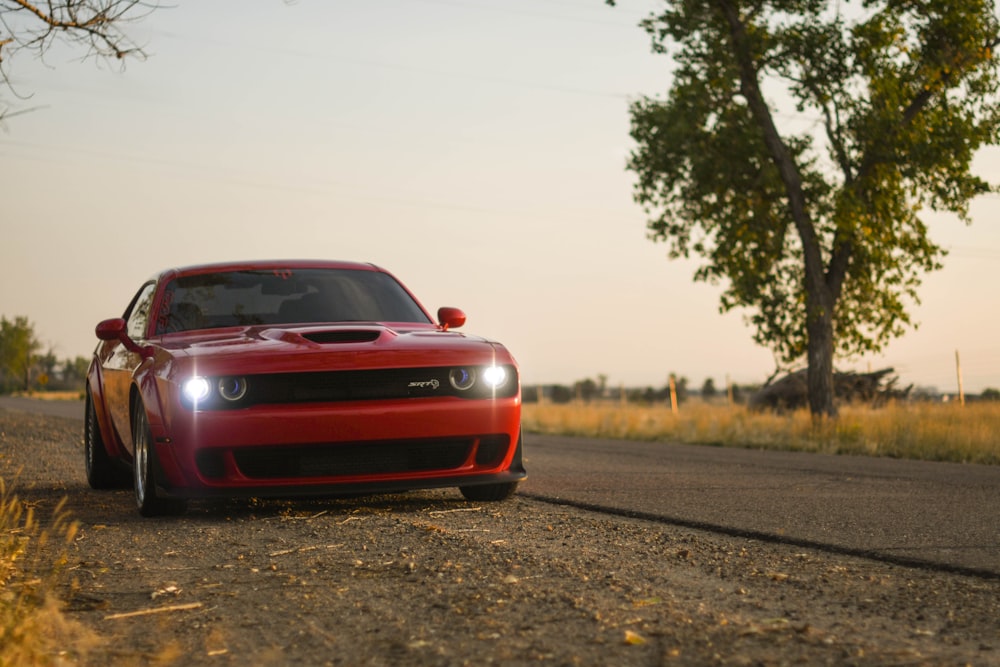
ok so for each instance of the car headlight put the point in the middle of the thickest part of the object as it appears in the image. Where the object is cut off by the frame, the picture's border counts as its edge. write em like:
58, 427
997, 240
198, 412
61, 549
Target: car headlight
232, 388
491, 381
205, 392
196, 389
495, 376
462, 378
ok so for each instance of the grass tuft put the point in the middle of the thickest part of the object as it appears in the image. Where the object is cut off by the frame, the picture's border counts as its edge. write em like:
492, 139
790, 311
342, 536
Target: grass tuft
33, 629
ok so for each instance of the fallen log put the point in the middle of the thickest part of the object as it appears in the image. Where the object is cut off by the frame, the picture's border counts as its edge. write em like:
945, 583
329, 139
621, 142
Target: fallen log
791, 392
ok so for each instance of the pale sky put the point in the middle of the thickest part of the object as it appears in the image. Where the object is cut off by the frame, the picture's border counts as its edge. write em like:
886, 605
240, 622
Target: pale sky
474, 148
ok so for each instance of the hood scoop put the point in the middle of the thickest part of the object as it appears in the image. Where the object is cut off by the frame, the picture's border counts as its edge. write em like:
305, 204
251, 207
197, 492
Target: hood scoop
349, 336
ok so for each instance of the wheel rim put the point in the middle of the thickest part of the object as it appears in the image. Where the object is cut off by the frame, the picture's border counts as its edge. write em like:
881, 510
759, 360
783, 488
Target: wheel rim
141, 458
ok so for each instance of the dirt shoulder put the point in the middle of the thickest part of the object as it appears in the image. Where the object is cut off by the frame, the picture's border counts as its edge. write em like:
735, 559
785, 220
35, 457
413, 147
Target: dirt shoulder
428, 578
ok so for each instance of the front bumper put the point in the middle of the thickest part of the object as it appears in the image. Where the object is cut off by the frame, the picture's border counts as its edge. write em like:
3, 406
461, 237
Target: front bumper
352, 447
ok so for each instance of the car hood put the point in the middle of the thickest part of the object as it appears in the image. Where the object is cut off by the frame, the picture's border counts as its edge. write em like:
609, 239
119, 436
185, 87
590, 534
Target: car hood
272, 349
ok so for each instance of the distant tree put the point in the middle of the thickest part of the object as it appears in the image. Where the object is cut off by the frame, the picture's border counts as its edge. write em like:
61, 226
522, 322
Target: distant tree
75, 370
69, 374
45, 365
990, 394
585, 389
708, 390
602, 384
925, 394
797, 145
18, 347
560, 393
94, 25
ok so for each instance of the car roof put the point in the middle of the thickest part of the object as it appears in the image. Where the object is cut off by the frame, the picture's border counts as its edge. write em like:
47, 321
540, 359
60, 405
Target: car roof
267, 265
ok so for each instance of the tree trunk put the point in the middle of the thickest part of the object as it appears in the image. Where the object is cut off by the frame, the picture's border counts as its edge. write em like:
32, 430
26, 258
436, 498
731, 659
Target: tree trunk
820, 298
819, 375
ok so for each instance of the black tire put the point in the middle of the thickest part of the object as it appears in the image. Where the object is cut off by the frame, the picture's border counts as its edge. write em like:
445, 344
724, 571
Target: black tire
144, 467
102, 471
489, 492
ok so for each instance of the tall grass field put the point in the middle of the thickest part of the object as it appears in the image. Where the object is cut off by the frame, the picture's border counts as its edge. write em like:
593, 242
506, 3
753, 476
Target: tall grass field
930, 431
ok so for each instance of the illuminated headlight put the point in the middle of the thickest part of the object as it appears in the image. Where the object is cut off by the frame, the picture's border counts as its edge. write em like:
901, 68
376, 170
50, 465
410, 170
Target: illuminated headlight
495, 376
196, 389
478, 382
215, 393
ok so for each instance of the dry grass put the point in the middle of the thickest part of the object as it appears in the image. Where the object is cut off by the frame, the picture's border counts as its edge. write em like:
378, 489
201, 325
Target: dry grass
73, 395
33, 630
937, 432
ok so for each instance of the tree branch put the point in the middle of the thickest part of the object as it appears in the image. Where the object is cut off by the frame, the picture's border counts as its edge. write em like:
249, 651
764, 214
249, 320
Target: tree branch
90, 21
780, 155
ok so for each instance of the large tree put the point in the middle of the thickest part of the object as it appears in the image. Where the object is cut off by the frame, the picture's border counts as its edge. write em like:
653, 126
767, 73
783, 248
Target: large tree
95, 26
797, 149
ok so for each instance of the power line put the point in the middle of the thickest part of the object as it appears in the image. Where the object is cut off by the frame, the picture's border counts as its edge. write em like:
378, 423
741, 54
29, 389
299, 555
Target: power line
518, 12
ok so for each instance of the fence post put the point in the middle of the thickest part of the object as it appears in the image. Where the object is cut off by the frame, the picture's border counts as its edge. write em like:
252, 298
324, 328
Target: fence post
958, 371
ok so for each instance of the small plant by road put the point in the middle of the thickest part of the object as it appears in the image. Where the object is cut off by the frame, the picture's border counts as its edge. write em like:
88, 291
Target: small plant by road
33, 630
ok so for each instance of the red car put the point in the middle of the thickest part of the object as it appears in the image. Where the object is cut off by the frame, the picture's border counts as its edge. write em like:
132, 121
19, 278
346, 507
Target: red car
296, 378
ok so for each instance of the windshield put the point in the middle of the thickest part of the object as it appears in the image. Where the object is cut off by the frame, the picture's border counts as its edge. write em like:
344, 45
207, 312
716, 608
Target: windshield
284, 296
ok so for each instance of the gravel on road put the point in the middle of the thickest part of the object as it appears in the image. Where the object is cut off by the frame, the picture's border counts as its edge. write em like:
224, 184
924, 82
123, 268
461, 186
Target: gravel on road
431, 579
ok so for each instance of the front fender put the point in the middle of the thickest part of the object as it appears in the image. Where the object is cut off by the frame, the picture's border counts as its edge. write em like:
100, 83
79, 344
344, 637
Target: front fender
146, 396
112, 443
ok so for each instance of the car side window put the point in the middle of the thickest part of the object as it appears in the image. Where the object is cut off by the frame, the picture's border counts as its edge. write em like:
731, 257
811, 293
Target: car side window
138, 315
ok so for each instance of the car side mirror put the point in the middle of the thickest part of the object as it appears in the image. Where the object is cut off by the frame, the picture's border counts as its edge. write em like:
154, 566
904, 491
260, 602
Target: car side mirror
115, 329
450, 318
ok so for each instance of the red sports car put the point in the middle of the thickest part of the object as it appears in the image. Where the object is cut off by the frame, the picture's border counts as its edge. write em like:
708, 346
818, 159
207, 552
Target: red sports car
296, 378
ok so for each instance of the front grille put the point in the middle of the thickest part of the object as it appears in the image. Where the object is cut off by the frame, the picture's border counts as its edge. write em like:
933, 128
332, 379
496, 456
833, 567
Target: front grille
360, 385
338, 460
345, 385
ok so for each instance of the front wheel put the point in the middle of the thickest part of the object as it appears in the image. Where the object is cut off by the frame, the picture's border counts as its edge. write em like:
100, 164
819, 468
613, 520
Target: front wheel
144, 476
489, 492
102, 471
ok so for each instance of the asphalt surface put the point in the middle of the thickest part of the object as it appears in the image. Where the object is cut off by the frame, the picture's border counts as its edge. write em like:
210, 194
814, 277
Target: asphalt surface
56, 408
938, 515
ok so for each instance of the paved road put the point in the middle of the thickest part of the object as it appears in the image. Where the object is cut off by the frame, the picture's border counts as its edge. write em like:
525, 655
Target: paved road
69, 409
912, 512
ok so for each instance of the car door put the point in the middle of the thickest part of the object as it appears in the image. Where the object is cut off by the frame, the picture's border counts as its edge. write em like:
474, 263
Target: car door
118, 363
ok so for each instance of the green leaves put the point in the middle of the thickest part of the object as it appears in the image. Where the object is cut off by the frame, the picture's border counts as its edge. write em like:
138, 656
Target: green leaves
798, 143
18, 345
